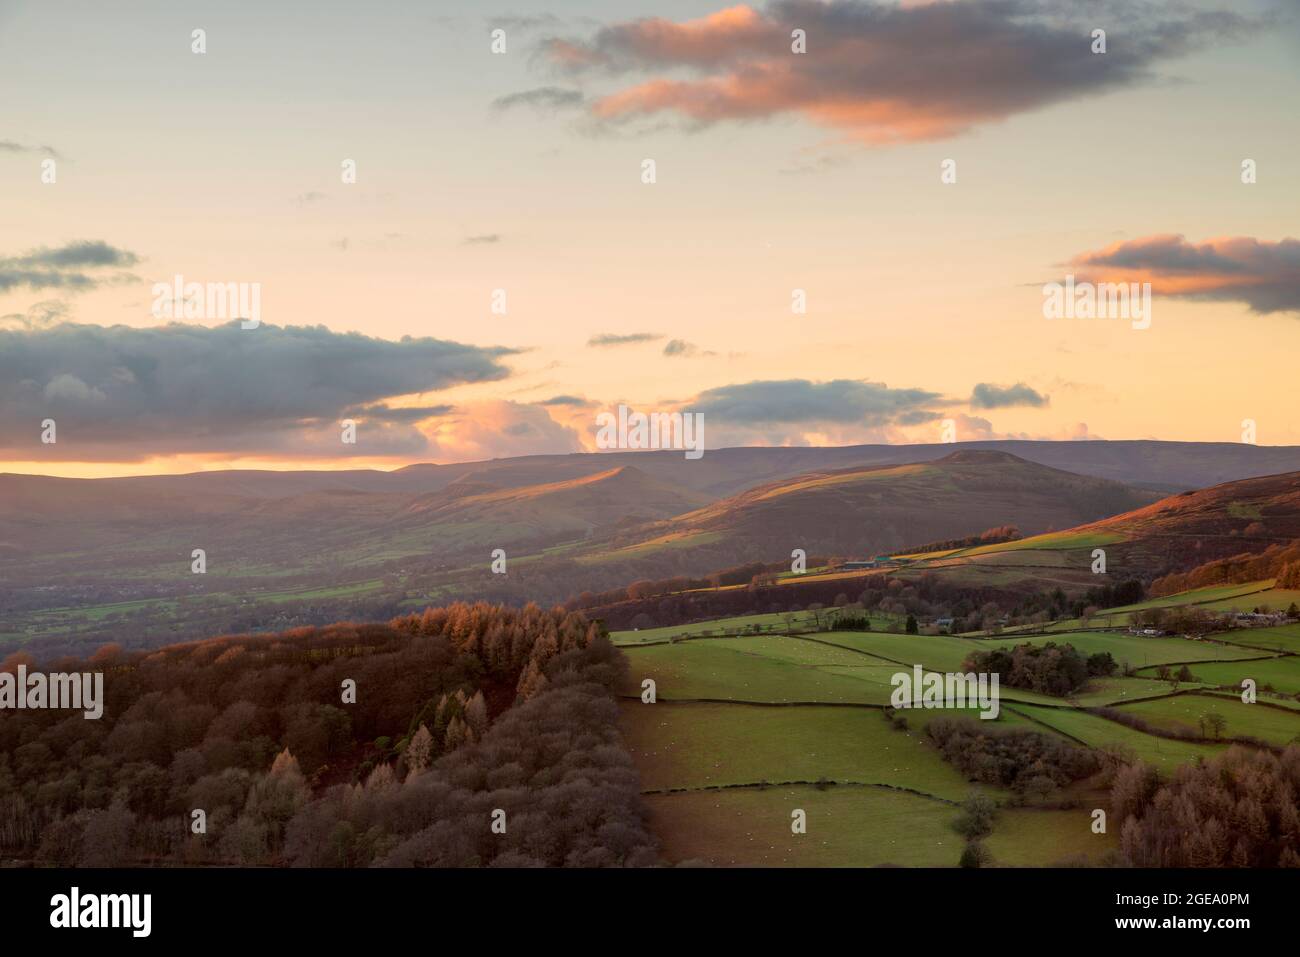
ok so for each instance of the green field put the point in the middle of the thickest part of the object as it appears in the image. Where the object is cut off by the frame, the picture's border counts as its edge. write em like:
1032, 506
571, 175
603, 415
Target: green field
1100, 733
937, 652
1197, 596
776, 623
1132, 649
1285, 638
1247, 720
847, 826
722, 776
719, 668
707, 745
1283, 674
1274, 599
1069, 539
1037, 837
1117, 690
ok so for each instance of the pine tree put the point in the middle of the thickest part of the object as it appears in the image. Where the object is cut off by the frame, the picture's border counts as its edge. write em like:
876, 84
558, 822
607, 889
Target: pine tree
381, 779
532, 682
286, 765
456, 733
419, 753
476, 713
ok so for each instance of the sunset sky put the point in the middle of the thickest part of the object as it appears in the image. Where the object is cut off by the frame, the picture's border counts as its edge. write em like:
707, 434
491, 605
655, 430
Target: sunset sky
522, 171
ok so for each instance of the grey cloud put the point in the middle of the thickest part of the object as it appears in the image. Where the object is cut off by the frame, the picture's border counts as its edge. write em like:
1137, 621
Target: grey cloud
48, 312
986, 395
119, 393
917, 417
406, 415
882, 71
9, 146
613, 339
1262, 274
66, 267
483, 239
788, 401
681, 349
83, 252
546, 98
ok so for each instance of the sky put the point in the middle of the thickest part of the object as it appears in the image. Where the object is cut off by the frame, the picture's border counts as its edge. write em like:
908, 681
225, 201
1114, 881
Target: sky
500, 271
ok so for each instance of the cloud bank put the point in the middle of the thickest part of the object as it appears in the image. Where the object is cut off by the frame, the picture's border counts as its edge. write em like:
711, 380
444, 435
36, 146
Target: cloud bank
1264, 275
123, 394
883, 72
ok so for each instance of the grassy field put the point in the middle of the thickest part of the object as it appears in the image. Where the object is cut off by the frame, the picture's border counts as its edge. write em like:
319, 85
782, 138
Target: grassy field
722, 776
1037, 837
1101, 733
1197, 596
1117, 690
717, 668
1285, 638
1283, 674
937, 652
775, 623
1131, 649
707, 745
1051, 540
847, 827
1275, 599
1248, 720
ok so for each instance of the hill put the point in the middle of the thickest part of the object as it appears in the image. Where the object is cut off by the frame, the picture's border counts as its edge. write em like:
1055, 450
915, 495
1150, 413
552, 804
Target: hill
109, 559
1173, 534
859, 512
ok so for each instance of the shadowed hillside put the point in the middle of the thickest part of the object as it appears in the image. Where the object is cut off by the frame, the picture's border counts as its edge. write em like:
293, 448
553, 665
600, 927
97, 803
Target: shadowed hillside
864, 511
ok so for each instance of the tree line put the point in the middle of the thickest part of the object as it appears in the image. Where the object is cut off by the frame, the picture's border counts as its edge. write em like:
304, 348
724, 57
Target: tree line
271, 736
1237, 809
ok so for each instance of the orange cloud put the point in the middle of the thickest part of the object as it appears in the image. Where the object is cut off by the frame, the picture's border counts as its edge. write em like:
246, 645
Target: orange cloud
1264, 275
877, 71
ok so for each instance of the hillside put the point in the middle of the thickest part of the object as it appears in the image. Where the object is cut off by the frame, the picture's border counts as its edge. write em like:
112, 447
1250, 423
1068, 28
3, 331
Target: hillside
860, 512
151, 532
1173, 534
457, 709
552, 511
109, 559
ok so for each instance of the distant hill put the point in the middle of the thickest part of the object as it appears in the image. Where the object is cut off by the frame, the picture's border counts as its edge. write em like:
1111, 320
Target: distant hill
68, 530
1164, 466
858, 512
549, 512
81, 559
1167, 466
1173, 534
